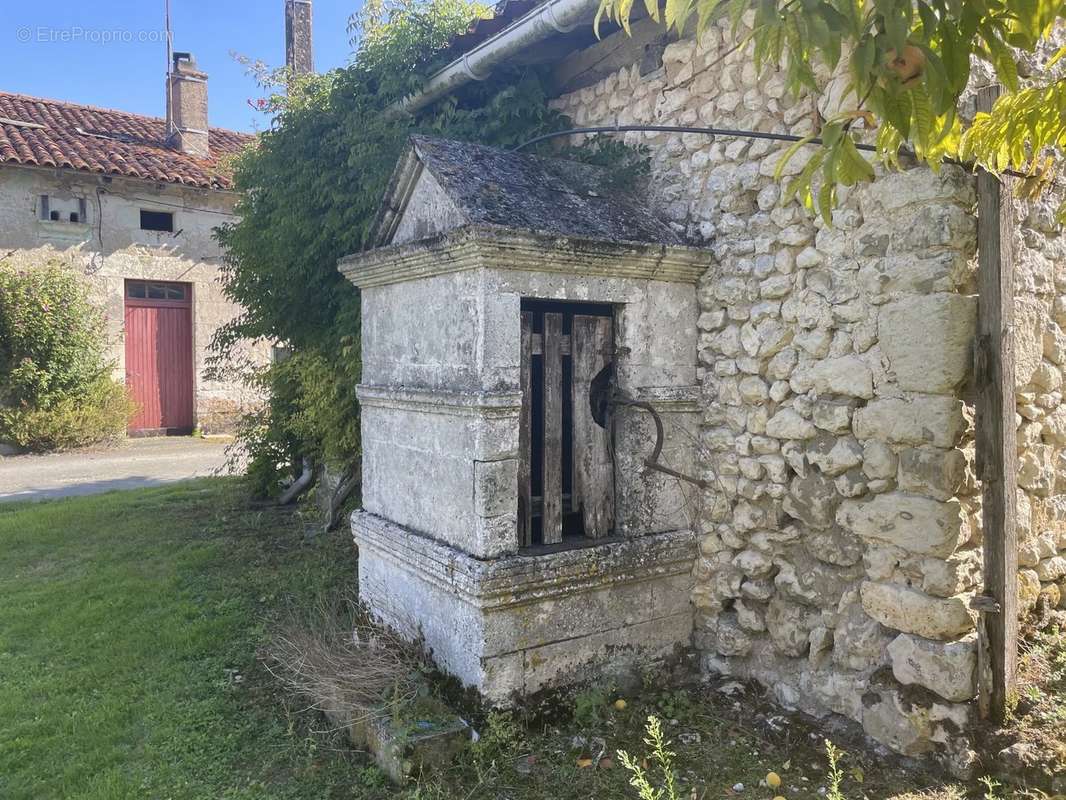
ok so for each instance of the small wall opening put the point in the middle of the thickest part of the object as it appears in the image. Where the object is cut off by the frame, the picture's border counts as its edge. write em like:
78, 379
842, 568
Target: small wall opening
162, 221
566, 476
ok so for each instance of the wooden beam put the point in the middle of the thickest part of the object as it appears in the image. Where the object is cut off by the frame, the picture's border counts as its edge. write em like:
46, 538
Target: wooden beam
537, 344
997, 453
552, 520
525, 500
591, 64
593, 470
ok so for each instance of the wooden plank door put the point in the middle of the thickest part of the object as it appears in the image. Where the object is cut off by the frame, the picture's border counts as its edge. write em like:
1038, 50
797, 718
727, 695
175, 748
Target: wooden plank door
525, 436
552, 451
159, 361
565, 473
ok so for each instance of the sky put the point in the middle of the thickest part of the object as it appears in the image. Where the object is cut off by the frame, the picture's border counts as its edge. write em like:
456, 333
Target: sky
112, 53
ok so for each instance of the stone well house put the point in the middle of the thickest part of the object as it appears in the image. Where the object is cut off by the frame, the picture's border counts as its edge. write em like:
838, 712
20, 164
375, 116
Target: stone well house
814, 383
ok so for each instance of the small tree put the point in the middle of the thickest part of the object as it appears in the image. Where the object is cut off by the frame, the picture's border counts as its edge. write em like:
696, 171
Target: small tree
56, 389
309, 190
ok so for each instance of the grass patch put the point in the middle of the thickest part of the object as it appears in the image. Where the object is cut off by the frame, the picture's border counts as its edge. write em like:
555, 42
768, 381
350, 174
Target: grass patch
131, 639
128, 647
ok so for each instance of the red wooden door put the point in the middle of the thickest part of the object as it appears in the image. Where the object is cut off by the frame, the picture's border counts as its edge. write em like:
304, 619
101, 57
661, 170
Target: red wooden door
159, 359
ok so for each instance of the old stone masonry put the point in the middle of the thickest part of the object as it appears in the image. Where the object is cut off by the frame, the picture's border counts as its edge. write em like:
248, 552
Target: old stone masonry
841, 543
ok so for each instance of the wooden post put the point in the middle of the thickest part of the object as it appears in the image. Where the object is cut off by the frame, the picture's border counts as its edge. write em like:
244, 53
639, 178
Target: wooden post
593, 489
997, 454
552, 519
525, 495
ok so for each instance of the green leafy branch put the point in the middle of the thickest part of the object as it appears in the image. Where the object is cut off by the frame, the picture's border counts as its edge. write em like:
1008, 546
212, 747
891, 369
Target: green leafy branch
907, 64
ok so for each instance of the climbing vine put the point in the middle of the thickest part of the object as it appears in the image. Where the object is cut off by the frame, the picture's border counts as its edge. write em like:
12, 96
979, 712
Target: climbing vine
309, 189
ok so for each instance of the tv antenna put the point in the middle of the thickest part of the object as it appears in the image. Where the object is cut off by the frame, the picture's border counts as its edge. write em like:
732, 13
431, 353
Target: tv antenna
170, 66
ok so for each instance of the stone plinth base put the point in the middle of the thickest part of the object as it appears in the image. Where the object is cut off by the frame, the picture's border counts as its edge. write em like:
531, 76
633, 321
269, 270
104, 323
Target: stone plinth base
513, 625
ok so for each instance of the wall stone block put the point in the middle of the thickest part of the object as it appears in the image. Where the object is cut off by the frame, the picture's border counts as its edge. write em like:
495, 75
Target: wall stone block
919, 419
928, 340
947, 668
932, 472
847, 375
905, 609
912, 522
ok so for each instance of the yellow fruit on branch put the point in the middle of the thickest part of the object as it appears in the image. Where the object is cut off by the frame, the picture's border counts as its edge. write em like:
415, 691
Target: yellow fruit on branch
908, 66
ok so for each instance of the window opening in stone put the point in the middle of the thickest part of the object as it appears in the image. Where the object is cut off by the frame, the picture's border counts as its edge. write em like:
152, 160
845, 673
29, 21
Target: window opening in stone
566, 476
63, 208
157, 221
156, 290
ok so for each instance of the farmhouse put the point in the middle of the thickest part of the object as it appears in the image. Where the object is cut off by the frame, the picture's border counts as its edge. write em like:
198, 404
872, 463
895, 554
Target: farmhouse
131, 201
599, 424
105, 191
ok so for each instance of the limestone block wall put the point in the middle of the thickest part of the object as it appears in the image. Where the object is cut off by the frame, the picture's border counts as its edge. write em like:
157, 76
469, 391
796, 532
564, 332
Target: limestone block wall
109, 247
1040, 358
842, 543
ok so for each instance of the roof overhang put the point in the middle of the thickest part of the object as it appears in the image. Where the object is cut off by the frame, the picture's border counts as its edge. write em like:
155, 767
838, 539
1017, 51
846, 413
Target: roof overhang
488, 246
550, 18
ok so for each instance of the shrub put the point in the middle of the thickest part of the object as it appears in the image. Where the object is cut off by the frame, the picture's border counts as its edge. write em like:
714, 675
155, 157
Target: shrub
55, 384
311, 411
100, 413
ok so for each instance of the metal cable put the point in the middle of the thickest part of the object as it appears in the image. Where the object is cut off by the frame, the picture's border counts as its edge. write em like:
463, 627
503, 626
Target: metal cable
743, 134
735, 132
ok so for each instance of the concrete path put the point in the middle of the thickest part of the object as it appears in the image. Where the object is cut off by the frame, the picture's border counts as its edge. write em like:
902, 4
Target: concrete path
133, 464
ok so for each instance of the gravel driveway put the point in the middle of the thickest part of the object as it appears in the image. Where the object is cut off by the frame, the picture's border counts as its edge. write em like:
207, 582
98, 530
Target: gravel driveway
133, 464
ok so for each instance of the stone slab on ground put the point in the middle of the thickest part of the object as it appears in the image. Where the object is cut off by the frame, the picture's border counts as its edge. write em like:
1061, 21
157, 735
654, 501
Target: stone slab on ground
421, 735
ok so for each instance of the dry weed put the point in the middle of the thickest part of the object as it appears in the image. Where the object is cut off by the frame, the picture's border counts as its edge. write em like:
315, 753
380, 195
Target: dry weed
348, 667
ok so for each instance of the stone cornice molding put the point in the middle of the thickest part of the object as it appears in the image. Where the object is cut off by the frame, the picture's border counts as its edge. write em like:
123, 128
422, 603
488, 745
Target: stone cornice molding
519, 579
440, 401
503, 404
487, 246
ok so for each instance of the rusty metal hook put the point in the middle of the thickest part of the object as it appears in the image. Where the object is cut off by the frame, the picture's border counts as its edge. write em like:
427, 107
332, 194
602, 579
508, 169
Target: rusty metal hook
652, 461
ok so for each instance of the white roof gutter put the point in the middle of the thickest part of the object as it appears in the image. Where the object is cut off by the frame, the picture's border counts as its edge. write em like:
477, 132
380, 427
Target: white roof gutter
554, 16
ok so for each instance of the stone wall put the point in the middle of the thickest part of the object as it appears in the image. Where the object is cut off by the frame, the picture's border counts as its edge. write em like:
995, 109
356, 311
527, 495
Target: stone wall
841, 546
109, 247
1040, 358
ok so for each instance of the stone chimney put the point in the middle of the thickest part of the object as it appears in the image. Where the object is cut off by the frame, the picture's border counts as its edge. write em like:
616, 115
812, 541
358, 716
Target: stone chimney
187, 107
299, 56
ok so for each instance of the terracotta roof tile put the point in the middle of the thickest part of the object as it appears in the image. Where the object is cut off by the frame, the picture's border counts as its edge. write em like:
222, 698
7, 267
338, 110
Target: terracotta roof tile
52, 133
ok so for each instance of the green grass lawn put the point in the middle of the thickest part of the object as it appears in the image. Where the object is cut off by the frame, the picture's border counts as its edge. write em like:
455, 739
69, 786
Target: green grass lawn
131, 626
